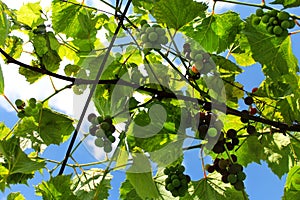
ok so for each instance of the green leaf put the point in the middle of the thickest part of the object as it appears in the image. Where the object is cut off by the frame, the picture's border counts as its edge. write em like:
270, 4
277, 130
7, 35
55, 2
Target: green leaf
176, 13
127, 192
17, 160
31, 76
287, 3
55, 128
250, 151
1, 82
26, 127
292, 185
4, 25
71, 70
15, 196
140, 176
275, 53
217, 32
85, 184
278, 153
30, 14
56, 188
242, 51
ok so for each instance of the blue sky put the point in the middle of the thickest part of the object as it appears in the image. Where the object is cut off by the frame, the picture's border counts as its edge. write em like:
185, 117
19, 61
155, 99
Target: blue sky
260, 183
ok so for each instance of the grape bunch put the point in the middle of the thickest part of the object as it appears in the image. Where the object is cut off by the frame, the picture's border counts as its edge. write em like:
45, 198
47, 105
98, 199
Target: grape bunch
277, 22
102, 128
231, 171
177, 182
31, 108
202, 61
152, 36
229, 140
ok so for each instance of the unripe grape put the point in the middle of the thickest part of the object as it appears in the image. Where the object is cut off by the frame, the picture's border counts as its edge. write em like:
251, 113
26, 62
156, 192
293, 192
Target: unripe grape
241, 176
107, 148
112, 138
265, 18
198, 57
99, 142
239, 185
259, 12
270, 29
292, 24
21, 114
150, 29
283, 15
181, 169
277, 30
153, 36
232, 178
144, 38
176, 182
273, 13
285, 24
170, 187
256, 20
91, 117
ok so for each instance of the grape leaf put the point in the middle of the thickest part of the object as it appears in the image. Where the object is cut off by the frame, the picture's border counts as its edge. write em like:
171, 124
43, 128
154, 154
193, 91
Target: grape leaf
292, 185
215, 33
56, 188
287, 3
15, 196
30, 14
1, 82
54, 128
85, 184
275, 53
4, 25
176, 13
278, 153
140, 176
127, 192
242, 52
250, 151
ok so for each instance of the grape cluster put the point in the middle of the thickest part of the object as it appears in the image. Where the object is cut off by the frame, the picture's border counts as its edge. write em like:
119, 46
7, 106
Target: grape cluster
277, 22
31, 108
177, 182
231, 171
152, 36
229, 140
202, 61
209, 126
103, 129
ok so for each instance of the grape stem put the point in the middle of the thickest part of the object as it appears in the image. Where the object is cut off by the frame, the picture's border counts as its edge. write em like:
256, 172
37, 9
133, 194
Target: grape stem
202, 163
10, 103
245, 4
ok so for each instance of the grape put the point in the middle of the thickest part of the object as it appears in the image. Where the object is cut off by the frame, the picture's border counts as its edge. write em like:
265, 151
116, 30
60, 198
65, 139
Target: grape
209, 168
188, 178
241, 176
107, 148
235, 168
277, 30
218, 148
283, 15
254, 89
248, 100
160, 31
153, 36
231, 133
233, 158
212, 132
235, 141
39, 105
198, 57
112, 138
28, 110
166, 171
273, 13
91, 117
93, 130
239, 185
99, 142
144, 38
163, 40
265, 18
223, 163
207, 106
19, 102
259, 12
32, 101
105, 126
253, 111
229, 146
21, 114
176, 182
170, 187
225, 178
232, 178
292, 24
256, 20
181, 169
270, 29
251, 130
285, 24
175, 193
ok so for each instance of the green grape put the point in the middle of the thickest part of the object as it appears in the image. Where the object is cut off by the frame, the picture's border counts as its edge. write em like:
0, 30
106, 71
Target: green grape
149, 30
170, 187
163, 40
168, 180
108, 119
181, 169
277, 30
144, 38
193, 54
143, 22
160, 31
255, 20
232, 178
35, 111
91, 117
259, 12
239, 185
21, 114
99, 142
100, 119
283, 15
173, 177
39, 105
272, 19
212, 132
265, 18
198, 57
176, 182
148, 45
105, 126
270, 29
166, 171
175, 193
19, 103
285, 33
285, 24
112, 138
273, 13
241, 176
28, 110
32, 101
100, 133
107, 148
275, 22
181, 191
292, 24
235, 168
153, 36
